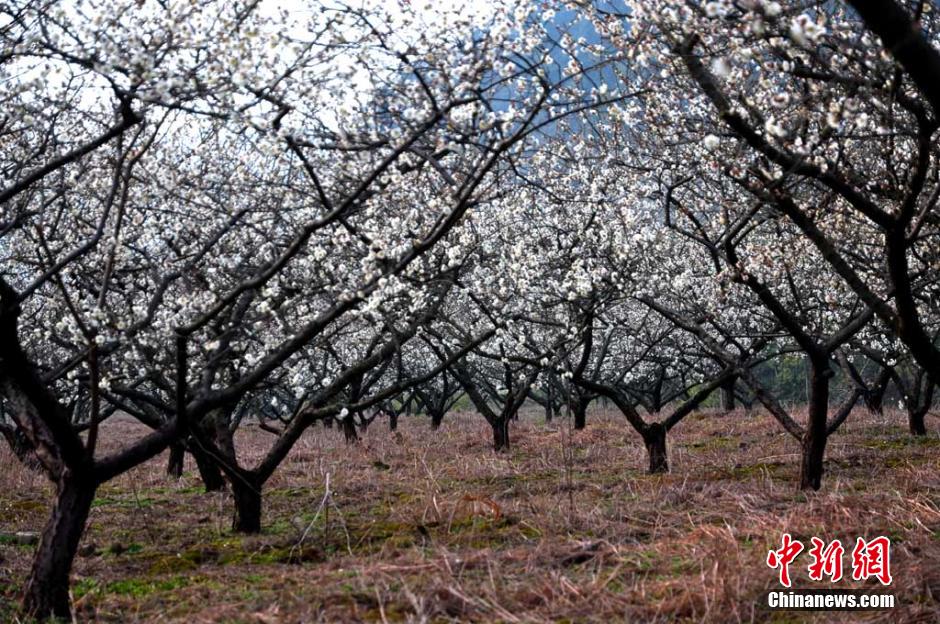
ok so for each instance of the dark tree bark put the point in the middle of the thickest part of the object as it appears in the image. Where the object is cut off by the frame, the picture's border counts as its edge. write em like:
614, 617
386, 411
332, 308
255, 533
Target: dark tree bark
915, 420
654, 437
174, 464
727, 395
918, 392
656, 394
517, 391
901, 35
47, 589
437, 417
209, 472
20, 445
579, 407
500, 434
546, 397
210, 451
549, 403
918, 411
246, 492
920, 405
875, 397
816, 434
349, 430
393, 421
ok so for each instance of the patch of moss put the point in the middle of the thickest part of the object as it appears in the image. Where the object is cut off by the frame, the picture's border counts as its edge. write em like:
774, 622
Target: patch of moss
680, 566
183, 561
719, 442
391, 612
529, 532
377, 534
278, 527
249, 595
14, 511
12, 540
644, 560
896, 462
118, 549
290, 492
750, 471
484, 531
138, 588
124, 503
902, 442
27, 505
174, 491
85, 586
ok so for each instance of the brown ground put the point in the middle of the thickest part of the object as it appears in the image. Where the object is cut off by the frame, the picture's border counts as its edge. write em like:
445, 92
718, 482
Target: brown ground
436, 527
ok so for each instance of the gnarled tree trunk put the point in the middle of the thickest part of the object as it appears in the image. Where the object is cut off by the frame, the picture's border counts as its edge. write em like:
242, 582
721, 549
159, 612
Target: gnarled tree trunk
21, 446
174, 464
500, 434
579, 407
209, 471
246, 492
915, 421
816, 435
654, 437
349, 430
917, 412
47, 588
727, 395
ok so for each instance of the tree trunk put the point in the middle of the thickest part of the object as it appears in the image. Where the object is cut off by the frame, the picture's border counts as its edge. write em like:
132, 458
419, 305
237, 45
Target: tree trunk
875, 397
209, 471
501, 434
21, 447
393, 421
655, 440
47, 589
246, 492
915, 420
174, 464
811, 467
437, 417
922, 406
549, 403
815, 438
656, 396
727, 395
349, 430
580, 412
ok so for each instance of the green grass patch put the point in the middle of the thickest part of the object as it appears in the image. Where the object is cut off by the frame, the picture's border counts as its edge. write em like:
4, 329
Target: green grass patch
124, 503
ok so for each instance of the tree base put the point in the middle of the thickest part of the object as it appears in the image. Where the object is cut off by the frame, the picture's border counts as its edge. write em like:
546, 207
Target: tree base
655, 441
47, 589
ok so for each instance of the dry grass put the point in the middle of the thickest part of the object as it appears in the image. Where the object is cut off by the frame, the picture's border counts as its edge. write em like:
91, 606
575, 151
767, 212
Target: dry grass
425, 526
